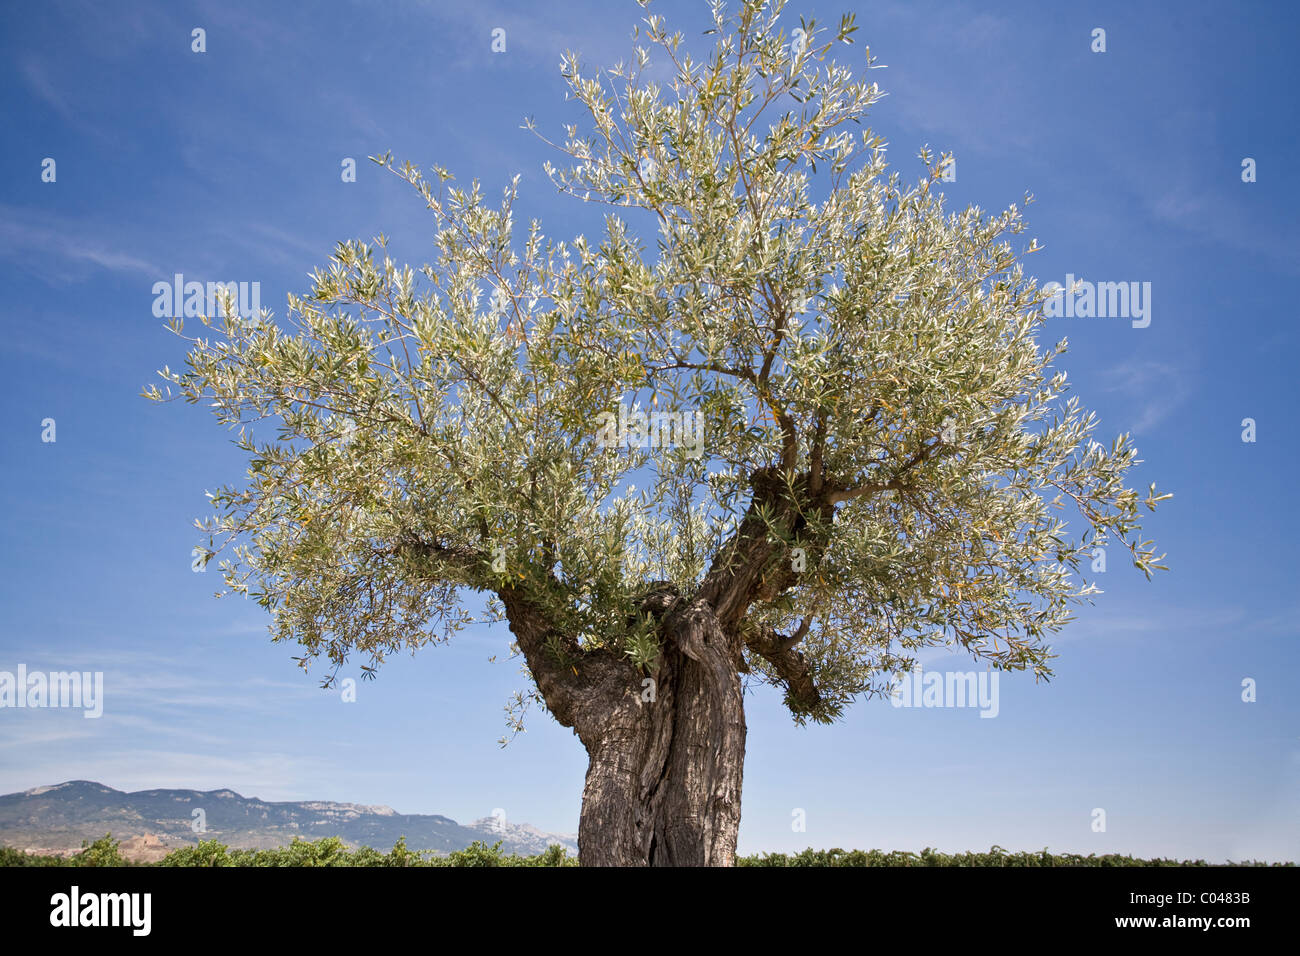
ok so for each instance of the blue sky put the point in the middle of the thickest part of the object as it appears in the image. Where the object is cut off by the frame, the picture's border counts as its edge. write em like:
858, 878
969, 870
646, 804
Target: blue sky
225, 165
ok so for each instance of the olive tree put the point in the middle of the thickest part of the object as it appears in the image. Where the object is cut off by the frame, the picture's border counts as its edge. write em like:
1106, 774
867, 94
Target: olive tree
887, 460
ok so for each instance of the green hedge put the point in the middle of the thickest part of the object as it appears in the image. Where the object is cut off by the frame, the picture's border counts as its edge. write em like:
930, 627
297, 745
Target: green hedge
327, 852
333, 852
994, 857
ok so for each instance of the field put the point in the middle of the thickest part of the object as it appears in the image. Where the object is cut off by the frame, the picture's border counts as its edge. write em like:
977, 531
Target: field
334, 852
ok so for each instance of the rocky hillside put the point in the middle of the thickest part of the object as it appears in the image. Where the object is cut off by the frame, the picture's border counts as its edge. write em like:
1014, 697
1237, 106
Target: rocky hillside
56, 819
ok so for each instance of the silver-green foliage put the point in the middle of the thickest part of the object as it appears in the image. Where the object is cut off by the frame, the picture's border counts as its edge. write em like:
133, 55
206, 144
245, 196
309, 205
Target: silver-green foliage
426, 432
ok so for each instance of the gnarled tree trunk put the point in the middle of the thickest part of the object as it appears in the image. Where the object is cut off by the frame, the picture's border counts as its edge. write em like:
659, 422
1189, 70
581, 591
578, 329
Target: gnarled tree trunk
667, 749
663, 785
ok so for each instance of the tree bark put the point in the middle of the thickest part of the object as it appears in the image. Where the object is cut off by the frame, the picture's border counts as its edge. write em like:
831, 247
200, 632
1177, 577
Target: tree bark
666, 749
664, 779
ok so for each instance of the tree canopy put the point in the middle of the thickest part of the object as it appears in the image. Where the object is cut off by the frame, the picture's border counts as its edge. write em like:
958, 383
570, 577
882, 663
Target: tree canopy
865, 362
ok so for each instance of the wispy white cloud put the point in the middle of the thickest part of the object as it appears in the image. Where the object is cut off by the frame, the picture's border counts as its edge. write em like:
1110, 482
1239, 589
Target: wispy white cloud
943, 103
39, 83
535, 34
1153, 390
59, 250
141, 682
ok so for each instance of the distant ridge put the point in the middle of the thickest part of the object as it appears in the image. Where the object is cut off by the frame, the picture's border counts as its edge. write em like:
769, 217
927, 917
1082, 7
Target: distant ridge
56, 819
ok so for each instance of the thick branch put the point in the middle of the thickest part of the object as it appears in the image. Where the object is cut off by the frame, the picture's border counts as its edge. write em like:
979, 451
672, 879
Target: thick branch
754, 567
577, 684
789, 664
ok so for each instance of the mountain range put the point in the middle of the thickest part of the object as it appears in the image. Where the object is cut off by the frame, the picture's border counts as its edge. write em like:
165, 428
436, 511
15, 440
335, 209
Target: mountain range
153, 822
